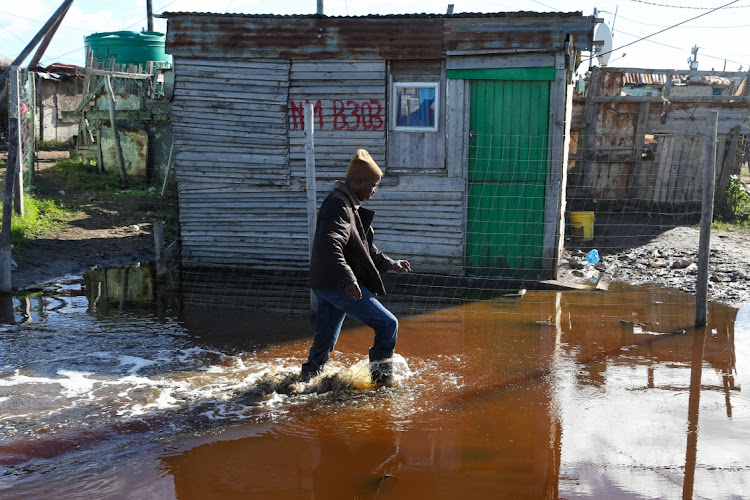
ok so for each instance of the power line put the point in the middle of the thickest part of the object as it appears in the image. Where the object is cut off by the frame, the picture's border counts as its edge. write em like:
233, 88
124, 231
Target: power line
640, 22
545, 5
687, 6
703, 54
669, 28
40, 22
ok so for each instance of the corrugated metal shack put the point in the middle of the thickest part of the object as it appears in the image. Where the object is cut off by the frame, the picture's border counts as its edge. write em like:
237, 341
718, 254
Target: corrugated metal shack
241, 82
650, 149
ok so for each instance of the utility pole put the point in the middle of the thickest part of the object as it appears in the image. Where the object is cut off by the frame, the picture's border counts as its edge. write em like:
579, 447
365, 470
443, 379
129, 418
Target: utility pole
693, 61
149, 16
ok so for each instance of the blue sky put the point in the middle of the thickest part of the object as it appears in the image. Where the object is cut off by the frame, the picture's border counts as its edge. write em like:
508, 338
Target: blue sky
720, 35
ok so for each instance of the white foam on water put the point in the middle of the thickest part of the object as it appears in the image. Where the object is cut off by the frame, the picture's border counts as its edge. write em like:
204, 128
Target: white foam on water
75, 383
2, 399
18, 379
136, 362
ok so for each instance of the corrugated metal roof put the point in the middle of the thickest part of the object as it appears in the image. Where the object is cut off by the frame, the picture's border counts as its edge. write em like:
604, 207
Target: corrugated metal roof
394, 37
492, 15
632, 78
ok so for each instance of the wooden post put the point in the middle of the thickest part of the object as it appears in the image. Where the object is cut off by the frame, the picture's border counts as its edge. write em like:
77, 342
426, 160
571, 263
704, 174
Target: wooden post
10, 173
312, 202
161, 264
20, 156
166, 172
118, 146
709, 180
99, 155
59, 13
48, 38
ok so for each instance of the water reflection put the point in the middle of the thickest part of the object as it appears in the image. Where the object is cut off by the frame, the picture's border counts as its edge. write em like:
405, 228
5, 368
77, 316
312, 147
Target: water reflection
545, 395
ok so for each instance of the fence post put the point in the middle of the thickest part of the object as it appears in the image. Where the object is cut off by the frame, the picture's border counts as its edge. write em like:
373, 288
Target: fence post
311, 189
709, 181
10, 175
20, 153
115, 133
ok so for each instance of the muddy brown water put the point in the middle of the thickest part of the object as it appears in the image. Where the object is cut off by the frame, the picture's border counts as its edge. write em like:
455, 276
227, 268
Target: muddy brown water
550, 395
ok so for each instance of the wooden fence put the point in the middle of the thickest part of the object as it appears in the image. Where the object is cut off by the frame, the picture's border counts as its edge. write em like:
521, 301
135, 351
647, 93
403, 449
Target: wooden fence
650, 149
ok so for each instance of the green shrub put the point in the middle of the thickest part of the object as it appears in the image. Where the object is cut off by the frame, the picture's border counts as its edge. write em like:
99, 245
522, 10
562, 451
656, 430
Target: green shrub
52, 145
736, 208
81, 174
40, 217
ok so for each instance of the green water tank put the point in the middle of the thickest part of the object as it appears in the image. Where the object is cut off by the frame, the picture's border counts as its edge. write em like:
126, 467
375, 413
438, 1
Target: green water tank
127, 47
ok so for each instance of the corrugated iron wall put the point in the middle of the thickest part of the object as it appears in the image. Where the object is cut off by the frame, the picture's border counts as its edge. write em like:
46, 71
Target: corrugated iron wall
349, 101
240, 163
231, 146
241, 85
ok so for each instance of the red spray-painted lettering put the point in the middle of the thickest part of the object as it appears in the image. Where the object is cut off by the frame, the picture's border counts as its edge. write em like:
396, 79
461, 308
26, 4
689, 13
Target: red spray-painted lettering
298, 114
347, 115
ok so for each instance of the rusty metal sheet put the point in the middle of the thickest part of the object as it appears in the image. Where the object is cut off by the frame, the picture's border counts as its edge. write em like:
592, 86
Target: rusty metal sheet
384, 37
134, 144
633, 78
610, 84
530, 32
286, 38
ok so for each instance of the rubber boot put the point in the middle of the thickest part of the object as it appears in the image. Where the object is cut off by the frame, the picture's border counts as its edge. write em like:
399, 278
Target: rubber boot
381, 367
309, 371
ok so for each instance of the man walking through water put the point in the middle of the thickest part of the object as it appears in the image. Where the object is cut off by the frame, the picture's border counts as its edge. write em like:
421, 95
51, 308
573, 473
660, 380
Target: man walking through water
345, 271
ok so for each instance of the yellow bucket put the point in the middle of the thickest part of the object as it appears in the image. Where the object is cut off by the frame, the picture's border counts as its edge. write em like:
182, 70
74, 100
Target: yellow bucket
582, 225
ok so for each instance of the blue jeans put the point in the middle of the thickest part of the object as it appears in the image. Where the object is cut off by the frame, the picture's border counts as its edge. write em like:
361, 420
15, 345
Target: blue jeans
333, 306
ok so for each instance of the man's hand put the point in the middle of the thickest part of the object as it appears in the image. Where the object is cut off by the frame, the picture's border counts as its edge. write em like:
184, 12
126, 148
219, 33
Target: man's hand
401, 266
352, 291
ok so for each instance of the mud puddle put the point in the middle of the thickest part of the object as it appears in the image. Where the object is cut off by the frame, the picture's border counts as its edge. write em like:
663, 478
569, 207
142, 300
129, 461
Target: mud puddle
576, 395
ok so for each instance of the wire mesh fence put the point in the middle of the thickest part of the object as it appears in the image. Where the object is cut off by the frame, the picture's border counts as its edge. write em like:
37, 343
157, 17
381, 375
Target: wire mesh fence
501, 232
503, 223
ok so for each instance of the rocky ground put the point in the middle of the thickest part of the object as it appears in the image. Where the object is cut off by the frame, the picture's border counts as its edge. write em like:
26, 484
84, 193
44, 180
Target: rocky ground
665, 256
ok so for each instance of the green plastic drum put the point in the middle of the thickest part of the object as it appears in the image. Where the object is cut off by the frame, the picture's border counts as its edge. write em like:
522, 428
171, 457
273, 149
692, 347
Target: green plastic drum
127, 47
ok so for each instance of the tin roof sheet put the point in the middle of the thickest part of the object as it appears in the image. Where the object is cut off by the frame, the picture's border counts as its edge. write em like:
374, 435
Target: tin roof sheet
403, 36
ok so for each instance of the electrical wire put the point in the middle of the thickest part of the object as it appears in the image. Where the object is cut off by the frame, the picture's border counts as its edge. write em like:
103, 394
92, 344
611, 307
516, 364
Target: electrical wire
641, 23
665, 29
703, 54
686, 6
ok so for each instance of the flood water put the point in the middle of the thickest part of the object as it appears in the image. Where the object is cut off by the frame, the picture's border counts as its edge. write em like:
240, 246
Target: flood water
576, 394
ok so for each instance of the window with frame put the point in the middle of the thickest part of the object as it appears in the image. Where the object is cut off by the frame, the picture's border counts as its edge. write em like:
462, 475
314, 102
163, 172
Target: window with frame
415, 106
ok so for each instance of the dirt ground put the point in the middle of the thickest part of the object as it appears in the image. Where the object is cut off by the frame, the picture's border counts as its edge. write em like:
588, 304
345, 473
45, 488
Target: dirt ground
114, 230
111, 229
644, 252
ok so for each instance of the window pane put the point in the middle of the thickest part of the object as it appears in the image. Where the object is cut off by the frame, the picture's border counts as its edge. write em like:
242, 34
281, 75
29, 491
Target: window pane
415, 107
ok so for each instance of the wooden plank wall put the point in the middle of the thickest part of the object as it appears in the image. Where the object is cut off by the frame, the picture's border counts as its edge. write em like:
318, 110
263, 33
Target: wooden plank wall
349, 99
610, 130
232, 164
240, 164
419, 216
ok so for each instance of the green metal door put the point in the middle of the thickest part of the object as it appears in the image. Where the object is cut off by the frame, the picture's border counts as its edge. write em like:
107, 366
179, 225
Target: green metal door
509, 120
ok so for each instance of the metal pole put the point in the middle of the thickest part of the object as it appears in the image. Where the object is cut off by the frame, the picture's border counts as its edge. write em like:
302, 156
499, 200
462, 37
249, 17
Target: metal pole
312, 202
59, 13
10, 174
320, 7
709, 182
150, 15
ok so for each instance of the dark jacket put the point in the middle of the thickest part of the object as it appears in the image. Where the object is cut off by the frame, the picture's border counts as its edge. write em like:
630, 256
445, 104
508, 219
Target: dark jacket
343, 251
